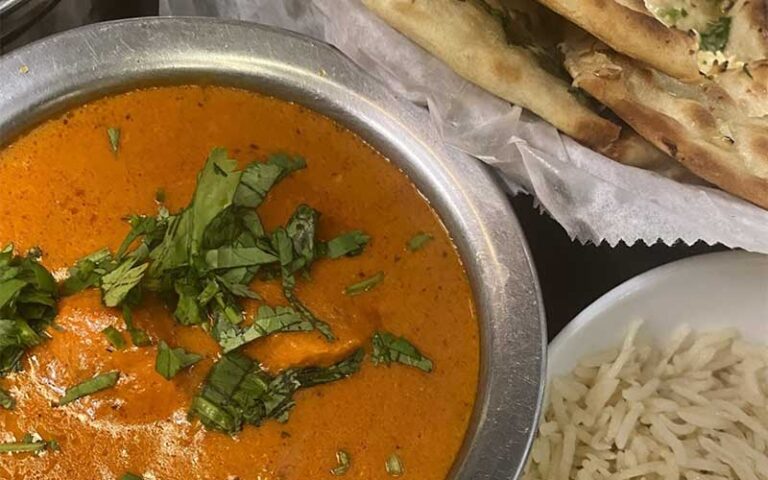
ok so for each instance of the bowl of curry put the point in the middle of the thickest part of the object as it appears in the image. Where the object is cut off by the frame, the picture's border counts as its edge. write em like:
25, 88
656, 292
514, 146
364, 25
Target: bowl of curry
226, 252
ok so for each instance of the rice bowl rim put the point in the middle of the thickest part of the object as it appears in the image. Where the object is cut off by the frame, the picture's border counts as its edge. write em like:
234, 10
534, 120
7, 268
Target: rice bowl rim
689, 267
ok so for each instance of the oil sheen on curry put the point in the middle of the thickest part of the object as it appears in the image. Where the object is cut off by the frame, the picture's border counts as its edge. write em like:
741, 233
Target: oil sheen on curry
206, 283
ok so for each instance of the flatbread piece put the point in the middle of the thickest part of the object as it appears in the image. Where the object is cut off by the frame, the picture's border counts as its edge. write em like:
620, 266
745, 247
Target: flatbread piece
700, 125
474, 44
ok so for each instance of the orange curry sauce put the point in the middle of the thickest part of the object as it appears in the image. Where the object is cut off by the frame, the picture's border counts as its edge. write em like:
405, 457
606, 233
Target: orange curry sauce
67, 192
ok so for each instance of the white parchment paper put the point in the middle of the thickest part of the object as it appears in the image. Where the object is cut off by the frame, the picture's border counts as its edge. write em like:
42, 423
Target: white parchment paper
594, 198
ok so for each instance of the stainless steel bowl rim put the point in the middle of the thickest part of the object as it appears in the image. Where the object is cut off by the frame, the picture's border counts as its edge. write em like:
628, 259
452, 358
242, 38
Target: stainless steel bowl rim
49, 76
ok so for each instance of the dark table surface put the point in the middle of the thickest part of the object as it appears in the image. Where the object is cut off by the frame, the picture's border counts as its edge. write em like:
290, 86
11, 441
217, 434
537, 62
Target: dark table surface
571, 275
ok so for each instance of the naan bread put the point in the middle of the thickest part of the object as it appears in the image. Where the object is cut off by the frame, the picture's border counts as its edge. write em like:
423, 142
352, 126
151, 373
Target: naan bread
748, 86
681, 38
748, 40
630, 28
473, 42
634, 151
700, 125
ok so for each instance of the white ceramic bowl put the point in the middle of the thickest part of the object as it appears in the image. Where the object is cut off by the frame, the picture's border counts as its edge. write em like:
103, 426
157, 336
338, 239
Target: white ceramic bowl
713, 291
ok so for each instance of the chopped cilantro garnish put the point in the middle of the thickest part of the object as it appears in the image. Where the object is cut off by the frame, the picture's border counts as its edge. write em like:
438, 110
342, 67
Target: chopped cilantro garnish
114, 138
237, 391
394, 465
365, 285
117, 284
171, 361
266, 322
138, 336
131, 476
114, 337
87, 272
347, 245
203, 260
388, 348
342, 463
227, 258
27, 306
715, 37
20, 447
6, 400
160, 195
671, 15
295, 248
258, 178
29, 445
419, 241
89, 387
204, 257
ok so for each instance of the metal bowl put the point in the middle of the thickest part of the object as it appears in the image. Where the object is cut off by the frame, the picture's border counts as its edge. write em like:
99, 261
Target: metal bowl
15, 15
71, 68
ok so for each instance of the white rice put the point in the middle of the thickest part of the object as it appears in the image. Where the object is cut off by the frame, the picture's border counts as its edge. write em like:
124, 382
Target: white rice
694, 409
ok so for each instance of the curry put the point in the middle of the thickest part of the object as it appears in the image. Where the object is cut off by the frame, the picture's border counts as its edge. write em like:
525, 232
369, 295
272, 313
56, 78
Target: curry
117, 390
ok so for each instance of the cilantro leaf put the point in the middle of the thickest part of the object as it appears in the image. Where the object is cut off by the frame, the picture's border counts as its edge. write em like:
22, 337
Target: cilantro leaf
131, 476
419, 241
311, 376
347, 245
6, 400
9, 291
138, 336
87, 272
267, 322
301, 229
671, 15
117, 284
21, 447
171, 361
394, 466
16, 336
365, 285
114, 138
238, 288
114, 337
259, 178
160, 195
89, 387
217, 405
215, 191
715, 37
235, 257
234, 227
188, 311
29, 444
284, 247
237, 391
143, 226
342, 463
387, 348
27, 306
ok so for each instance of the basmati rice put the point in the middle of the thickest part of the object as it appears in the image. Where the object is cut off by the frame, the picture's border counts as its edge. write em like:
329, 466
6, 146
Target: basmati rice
694, 409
